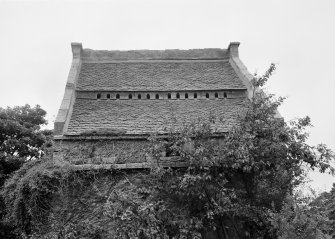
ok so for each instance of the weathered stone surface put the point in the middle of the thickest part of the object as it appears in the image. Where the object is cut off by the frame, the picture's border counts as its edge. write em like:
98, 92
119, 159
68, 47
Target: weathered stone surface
102, 151
148, 116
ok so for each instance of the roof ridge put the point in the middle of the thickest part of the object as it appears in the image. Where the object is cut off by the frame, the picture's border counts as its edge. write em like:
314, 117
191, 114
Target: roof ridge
206, 53
169, 49
153, 60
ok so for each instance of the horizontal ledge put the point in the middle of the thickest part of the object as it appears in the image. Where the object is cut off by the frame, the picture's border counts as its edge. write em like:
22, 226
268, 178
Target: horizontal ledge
118, 137
160, 91
161, 99
179, 164
77, 137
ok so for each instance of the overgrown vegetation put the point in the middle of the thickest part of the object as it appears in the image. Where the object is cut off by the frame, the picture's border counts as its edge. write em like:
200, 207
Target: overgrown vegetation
304, 217
237, 186
21, 140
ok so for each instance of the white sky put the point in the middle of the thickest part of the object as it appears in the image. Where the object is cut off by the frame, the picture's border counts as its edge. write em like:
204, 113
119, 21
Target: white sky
298, 35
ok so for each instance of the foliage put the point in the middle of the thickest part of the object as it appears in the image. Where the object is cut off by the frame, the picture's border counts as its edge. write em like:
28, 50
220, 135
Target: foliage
302, 217
329, 201
8, 165
44, 200
20, 131
21, 137
140, 209
235, 185
325, 204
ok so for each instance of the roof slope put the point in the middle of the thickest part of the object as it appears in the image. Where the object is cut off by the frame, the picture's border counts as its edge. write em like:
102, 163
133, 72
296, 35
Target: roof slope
158, 76
171, 71
147, 116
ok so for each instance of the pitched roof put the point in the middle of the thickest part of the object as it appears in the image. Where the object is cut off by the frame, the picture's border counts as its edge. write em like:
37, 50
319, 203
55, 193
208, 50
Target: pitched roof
158, 76
170, 71
147, 116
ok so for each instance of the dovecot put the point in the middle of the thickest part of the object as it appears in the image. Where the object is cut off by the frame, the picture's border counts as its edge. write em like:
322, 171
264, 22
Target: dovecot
114, 100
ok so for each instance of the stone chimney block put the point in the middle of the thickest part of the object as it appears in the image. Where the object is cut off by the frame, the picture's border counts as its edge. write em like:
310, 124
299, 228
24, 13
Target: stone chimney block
77, 49
233, 49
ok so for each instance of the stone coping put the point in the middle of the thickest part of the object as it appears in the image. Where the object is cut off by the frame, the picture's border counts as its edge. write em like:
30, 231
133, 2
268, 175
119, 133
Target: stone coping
119, 137
179, 164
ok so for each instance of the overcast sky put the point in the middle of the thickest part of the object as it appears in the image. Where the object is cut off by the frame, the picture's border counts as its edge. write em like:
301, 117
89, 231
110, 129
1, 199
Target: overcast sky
299, 36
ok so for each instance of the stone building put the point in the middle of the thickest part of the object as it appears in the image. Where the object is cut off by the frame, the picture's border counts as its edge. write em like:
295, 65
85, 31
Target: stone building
114, 100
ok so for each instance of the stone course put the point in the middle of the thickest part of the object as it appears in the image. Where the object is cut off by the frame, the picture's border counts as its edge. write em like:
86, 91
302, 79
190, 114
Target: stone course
102, 151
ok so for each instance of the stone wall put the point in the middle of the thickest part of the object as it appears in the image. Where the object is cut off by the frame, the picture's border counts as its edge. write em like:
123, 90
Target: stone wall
102, 151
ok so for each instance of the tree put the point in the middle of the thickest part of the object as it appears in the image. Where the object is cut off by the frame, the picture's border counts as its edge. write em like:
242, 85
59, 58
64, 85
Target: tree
303, 217
21, 140
233, 187
330, 207
20, 131
324, 205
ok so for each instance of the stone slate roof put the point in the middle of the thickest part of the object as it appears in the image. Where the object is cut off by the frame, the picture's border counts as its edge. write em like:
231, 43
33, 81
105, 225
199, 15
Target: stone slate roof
148, 71
135, 117
158, 76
